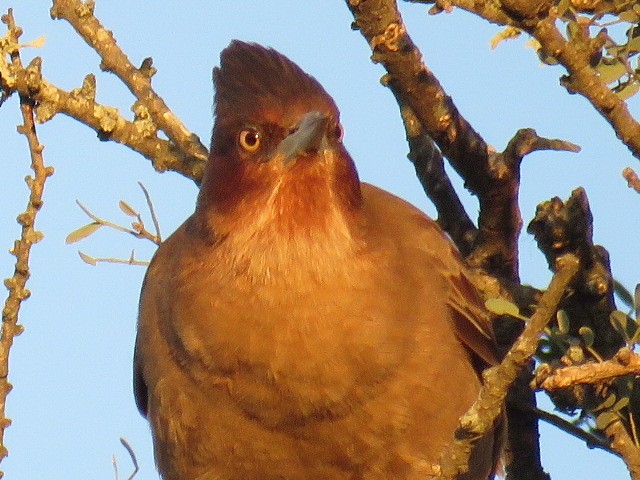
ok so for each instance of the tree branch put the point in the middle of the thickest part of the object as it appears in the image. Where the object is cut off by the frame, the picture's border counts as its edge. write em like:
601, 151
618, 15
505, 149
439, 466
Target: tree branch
623, 363
139, 134
80, 15
493, 177
576, 55
633, 181
482, 415
79, 104
561, 228
429, 166
623, 445
590, 439
22, 247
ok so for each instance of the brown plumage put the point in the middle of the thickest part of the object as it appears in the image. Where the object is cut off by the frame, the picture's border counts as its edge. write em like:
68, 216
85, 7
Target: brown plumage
300, 324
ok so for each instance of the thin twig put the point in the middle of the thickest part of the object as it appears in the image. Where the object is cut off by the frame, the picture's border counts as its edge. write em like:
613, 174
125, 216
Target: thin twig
132, 456
590, 439
130, 261
152, 211
139, 232
22, 247
114, 462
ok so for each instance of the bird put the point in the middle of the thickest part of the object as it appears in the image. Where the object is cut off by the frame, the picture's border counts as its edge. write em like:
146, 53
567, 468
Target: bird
302, 324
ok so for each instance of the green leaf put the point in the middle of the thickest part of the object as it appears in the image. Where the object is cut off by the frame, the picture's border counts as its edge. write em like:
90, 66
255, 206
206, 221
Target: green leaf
620, 404
633, 46
623, 294
575, 353
82, 232
562, 7
587, 336
127, 209
87, 259
563, 321
610, 72
500, 306
605, 419
636, 335
628, 16
629, 91
619, 322
607, 404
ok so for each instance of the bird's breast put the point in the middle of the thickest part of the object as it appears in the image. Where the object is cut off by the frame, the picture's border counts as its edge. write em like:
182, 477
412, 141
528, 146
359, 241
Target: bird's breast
296, 333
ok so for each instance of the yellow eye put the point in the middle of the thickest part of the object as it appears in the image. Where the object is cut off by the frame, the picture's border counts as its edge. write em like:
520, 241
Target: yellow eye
250, 139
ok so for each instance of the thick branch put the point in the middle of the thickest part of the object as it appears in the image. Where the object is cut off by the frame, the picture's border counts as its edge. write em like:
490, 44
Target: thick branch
139, 135
561, 228
80, 15
575, 56
380, 23
490, 10
494, 178
624, 446
429, 166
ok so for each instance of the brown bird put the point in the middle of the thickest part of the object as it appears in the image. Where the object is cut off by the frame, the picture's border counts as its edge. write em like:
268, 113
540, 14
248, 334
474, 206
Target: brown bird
301, 324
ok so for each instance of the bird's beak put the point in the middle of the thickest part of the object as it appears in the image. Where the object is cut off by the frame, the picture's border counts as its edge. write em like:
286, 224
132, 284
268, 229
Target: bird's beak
309, 137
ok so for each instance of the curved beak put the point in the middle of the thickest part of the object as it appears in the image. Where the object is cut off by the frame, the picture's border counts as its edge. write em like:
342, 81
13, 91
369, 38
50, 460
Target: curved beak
308, 137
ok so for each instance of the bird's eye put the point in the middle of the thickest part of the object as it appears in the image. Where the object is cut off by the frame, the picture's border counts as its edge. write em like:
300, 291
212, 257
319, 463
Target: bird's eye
250, 139
338, 132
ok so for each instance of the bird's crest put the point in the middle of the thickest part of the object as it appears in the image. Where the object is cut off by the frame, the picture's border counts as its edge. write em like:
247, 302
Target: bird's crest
252, 80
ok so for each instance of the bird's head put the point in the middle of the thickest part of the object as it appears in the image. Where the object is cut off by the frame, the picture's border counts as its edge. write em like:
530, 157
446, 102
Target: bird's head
276, 149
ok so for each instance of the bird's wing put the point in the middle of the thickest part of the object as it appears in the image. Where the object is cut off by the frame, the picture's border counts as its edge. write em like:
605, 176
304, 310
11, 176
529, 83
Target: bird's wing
140, 391
473, 324
148, 318
412, 228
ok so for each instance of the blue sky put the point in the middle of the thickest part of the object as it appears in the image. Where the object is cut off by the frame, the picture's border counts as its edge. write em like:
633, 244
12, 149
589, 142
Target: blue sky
71, 368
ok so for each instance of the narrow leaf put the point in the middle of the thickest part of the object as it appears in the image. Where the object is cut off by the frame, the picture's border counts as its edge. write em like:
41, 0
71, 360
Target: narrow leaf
620, 404
608, 403
619, 321
628, 91
623, 294
127, 209
82, 232
610, 72
87, 259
